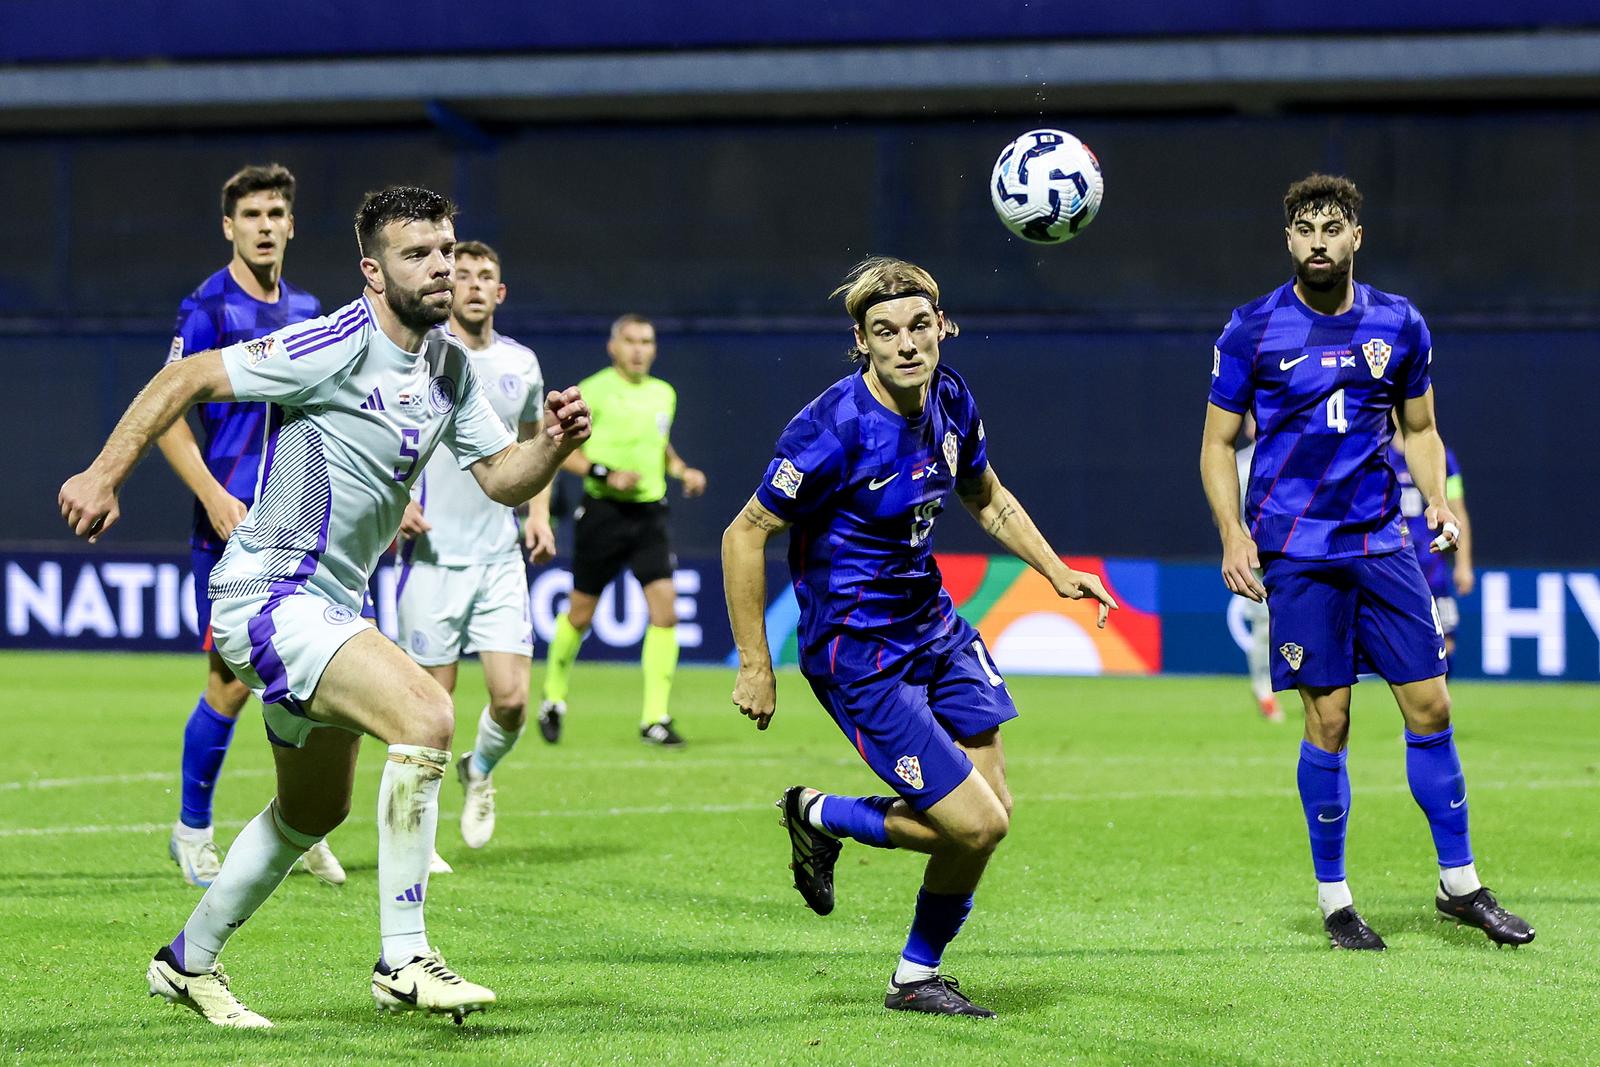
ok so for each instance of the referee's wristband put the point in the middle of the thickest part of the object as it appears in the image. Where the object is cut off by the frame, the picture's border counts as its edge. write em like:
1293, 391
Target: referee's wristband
599, 470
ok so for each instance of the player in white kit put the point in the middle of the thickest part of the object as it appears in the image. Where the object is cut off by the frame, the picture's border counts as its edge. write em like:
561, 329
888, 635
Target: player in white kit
361, 399
462, 585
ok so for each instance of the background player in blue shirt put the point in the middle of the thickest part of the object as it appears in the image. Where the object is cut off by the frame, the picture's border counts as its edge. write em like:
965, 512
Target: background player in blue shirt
861, 474
1448, 576
1322, 362
245, 300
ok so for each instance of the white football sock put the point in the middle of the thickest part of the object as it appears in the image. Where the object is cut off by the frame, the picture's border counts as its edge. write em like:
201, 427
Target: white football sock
257, 863
408, 820
813, 810
908, 972
1459, 881
185, 832
494, 743
1331, 896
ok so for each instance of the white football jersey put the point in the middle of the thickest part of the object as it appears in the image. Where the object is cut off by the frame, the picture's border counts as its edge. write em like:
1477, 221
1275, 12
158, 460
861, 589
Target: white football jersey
356, 419
468, 527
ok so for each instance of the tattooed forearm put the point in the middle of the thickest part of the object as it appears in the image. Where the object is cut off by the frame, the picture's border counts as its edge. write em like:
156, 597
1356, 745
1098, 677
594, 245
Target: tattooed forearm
761, 519
998, 522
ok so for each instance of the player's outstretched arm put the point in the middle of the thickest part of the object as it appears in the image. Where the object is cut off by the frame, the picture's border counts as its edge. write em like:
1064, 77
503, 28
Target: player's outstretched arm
89, 499
1425, 459
1003, 519
1220, 473
515, 473
744, 583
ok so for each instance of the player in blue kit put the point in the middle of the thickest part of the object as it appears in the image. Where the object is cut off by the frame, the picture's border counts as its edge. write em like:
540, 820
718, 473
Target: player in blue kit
861, 474
1448, 576
245, 300
1322, 362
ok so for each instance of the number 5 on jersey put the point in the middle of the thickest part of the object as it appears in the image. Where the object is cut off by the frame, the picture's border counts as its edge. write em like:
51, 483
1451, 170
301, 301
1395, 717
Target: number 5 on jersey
408, 452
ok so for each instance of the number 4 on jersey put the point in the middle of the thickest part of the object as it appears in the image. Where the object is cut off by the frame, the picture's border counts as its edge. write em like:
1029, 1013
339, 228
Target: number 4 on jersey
1336, 419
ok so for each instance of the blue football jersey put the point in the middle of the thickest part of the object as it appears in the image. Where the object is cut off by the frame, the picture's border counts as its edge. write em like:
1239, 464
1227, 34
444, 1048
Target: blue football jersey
216, 315
1437, 567
1321, 388
862, 488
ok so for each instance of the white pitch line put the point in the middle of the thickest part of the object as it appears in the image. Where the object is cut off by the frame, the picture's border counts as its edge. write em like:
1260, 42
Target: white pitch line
730, 809
678, 761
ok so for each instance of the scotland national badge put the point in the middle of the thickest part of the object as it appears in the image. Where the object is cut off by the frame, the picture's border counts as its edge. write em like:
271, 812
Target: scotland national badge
909, 768
442, 395
952, 446
1377, 352
1293, 653
338, 614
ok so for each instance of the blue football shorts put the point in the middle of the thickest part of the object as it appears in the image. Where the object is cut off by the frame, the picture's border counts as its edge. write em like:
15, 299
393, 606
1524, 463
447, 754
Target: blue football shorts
905, 721
1334, 619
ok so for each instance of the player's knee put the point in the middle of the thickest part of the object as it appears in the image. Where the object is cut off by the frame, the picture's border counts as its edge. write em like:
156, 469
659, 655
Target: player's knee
227, 696
1432, 714
433, 722
983, 835
314, 817
580, 617
664, 619
509, 710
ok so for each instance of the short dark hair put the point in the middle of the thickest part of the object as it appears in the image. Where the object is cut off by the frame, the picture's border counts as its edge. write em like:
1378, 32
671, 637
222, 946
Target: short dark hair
631, 318
479, 249
398, 203
1322, 192
257, 178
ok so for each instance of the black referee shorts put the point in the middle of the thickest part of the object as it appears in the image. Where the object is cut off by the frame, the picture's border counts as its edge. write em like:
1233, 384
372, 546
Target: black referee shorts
609, 535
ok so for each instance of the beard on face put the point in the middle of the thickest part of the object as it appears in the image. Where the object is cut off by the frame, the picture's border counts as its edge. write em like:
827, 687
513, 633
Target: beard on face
1322, 279
410, 307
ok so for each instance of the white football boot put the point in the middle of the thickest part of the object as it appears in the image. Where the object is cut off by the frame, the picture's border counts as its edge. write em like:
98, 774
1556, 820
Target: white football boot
439, 865
428, 984
320, 861
477, 813
196, 856
206, 993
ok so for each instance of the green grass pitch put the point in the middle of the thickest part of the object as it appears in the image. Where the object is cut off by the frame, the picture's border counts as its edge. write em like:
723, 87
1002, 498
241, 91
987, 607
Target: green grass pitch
1153, 903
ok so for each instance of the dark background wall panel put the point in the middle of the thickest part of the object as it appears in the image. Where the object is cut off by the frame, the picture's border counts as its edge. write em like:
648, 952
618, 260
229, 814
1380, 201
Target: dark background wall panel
731, 220
1097, 431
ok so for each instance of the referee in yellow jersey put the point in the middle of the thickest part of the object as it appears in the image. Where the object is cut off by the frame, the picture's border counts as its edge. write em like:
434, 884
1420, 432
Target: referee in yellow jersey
623, 522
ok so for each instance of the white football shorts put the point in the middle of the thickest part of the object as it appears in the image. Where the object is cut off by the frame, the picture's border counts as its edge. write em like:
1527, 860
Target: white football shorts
279, 645
446, 611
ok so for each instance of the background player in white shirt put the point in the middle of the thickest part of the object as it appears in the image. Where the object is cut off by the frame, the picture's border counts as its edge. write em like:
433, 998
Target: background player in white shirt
462, 585
362, 397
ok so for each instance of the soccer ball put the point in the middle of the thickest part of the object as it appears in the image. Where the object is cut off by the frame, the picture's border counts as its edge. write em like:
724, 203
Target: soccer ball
1046, 186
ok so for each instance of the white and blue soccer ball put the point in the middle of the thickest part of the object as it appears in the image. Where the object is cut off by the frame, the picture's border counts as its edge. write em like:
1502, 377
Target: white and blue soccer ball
1046, 186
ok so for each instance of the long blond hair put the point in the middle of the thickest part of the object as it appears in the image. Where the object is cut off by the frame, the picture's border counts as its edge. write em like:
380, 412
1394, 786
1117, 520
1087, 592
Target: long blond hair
879, 276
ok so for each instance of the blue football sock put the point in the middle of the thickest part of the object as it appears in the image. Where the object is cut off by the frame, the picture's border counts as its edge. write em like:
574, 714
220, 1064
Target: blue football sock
937, 921
858, 818
205, 743
1434, 771
1325, 796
